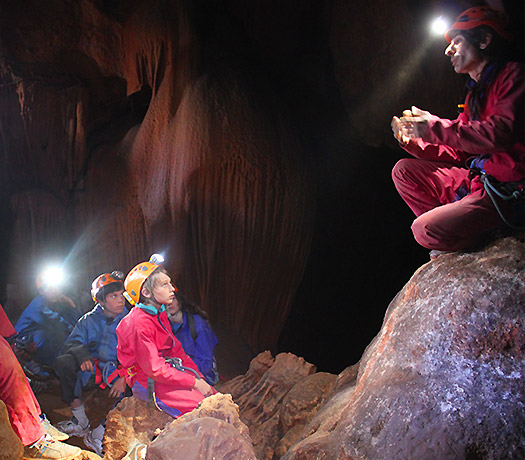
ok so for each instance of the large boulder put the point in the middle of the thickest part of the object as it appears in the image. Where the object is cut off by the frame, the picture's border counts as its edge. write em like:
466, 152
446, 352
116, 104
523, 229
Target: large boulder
444, 377
212, 430
132, 423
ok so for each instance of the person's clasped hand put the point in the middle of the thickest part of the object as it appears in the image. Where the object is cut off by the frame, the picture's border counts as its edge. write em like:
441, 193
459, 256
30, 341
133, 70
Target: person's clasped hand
203, 387
398, 128
87, 366
413, 124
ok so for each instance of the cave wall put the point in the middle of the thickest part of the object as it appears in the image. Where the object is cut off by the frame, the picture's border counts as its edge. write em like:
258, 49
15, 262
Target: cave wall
141, 145
229, 136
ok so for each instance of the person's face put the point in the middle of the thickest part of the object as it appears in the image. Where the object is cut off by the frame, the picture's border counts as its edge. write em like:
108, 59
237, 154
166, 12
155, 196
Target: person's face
114, 303
174, 307
52, 294
464, 57
163, 290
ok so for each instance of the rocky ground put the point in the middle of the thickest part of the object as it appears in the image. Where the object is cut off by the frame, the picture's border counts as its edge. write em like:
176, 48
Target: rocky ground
442, 379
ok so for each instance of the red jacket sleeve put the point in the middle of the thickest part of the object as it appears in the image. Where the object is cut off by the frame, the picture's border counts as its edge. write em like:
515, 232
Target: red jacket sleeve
500, 127
427, 151
6, 328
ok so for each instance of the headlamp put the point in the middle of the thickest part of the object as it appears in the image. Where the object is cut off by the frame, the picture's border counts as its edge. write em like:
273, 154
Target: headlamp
118, 275
439, 26
51, 277
156, 259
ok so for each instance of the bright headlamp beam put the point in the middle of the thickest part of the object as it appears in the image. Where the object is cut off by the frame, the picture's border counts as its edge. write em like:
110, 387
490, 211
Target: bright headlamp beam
439, 26
52, 276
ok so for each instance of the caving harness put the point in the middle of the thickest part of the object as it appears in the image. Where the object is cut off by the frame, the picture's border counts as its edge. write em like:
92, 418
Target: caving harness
103, 377
513, 192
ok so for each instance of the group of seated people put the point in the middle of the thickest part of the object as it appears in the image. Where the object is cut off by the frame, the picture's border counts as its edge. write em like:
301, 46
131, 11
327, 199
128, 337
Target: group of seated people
156, 346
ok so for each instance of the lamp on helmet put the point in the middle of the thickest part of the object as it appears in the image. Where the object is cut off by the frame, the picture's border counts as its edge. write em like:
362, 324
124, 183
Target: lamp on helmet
49, 278
476, 17
104, 280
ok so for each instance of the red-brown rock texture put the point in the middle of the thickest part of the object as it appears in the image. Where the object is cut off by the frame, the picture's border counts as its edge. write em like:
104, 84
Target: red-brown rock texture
242, 383
129, 128
213, 430
132, 422
444, 377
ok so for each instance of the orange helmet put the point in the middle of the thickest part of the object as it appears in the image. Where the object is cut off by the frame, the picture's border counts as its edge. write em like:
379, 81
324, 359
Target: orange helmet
480, 16
136, 277
104, 280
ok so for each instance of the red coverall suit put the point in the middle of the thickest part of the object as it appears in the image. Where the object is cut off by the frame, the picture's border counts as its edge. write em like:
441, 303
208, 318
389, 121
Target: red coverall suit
22, 407
144, 340
433, 182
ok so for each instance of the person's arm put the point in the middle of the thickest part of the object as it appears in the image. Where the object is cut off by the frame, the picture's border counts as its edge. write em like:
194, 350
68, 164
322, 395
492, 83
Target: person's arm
409, 131
500, 128
118, 387
77, 344
205, 343
498, 131
67, 301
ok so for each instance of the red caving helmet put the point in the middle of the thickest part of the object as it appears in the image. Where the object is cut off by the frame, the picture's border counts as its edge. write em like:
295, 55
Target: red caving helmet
480, 16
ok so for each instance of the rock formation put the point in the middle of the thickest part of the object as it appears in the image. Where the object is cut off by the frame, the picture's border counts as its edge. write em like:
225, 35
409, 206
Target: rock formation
132, 423
442, 379
213, 430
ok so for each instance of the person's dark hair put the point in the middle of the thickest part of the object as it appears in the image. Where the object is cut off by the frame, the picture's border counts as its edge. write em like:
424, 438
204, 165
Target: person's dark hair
108, 289
189, 307
498, 55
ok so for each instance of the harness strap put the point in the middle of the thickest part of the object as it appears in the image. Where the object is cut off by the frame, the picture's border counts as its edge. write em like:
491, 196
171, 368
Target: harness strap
102, 379
108, 379
509, 191
98, 373
177, 364
150, 387
131, 371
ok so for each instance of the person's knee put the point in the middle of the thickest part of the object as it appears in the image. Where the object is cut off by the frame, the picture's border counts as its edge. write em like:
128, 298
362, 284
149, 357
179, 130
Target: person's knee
422, 234
401, 168
431, 235
65, 364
